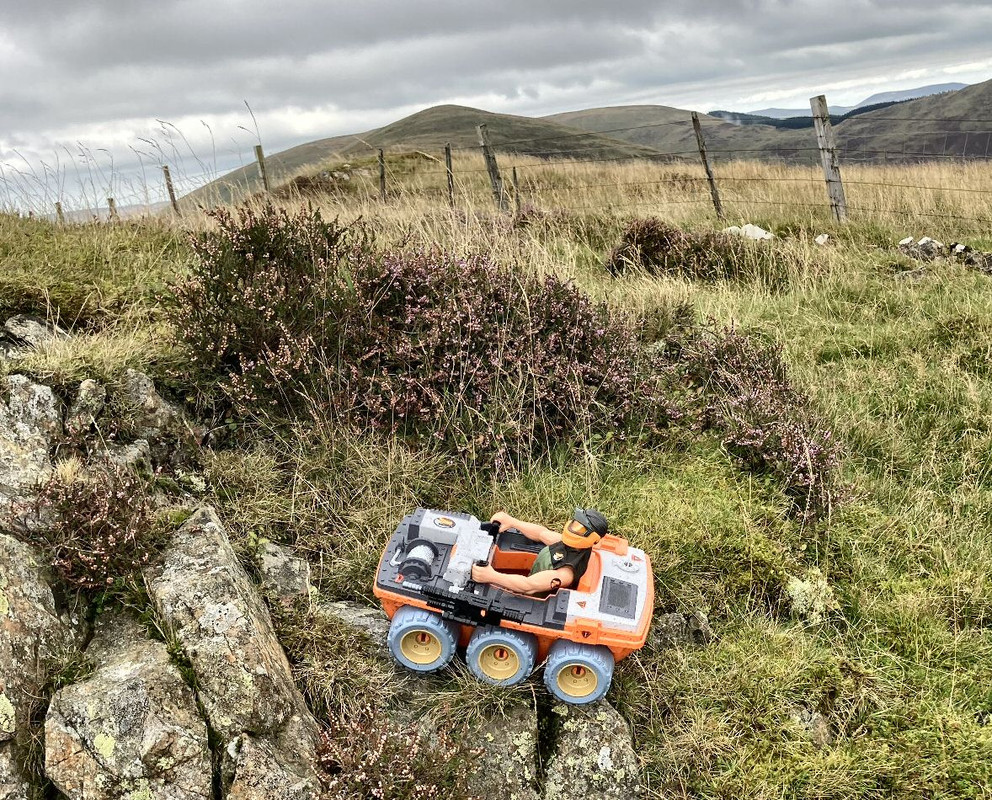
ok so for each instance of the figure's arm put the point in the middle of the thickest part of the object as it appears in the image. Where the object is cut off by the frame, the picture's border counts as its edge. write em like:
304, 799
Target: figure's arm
533, 531
544, 581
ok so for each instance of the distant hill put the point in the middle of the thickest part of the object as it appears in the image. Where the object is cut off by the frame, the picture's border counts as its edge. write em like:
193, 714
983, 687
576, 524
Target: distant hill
881, 97
426, 130
954, 123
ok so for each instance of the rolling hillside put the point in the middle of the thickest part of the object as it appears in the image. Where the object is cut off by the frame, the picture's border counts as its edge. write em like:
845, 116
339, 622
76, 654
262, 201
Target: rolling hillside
426, 130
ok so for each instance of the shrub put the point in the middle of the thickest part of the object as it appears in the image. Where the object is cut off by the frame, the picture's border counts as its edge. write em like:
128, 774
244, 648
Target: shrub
296, 313
766, 424
367, 757
97, 528
662, 249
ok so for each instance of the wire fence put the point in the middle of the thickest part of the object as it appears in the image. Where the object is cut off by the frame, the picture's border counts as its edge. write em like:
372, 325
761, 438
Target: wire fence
583, 169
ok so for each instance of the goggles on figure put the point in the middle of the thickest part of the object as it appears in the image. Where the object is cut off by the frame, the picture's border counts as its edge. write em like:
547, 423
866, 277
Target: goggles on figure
578, 536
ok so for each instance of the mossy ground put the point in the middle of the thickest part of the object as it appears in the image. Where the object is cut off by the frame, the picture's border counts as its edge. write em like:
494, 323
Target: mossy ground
901, 671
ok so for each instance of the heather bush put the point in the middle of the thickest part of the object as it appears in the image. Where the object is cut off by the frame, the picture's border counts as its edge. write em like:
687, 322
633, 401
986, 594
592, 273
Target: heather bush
744, 393
292, 313
97, 527
365, 756
662, 249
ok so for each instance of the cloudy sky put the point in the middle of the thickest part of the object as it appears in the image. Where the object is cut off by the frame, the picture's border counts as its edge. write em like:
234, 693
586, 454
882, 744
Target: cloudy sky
92, 92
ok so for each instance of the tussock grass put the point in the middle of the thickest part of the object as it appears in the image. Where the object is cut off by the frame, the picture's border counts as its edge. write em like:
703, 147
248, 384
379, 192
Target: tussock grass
899, 369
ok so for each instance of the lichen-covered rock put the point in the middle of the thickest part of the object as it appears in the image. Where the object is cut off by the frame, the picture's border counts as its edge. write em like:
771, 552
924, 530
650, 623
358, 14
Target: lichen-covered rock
372, 622
29, 420
86, 408
135, 457
129, 730
593, 756
30, 629
283, 574
27, 331
509, 763
151, 415
255, 770
205, 599
679, 630
812, 726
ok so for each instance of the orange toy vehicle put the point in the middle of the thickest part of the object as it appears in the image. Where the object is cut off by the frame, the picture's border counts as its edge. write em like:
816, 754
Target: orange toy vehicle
425, 586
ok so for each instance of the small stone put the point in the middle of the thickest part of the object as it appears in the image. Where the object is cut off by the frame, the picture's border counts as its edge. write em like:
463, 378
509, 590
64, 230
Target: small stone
907, 241
135, 457
813, 726
151, 414
749, 231
822, 239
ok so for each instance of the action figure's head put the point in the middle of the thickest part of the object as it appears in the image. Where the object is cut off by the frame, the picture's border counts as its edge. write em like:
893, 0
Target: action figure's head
586, 527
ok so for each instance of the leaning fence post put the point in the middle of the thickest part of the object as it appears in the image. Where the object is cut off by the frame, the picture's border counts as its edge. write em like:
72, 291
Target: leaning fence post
492, 168
828, 156
382, 176
451, 174
171, 189
59, 213
706, 165
260, 157
516, 193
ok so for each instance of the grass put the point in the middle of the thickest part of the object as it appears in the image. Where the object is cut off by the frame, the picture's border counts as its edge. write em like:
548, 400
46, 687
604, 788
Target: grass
899, 369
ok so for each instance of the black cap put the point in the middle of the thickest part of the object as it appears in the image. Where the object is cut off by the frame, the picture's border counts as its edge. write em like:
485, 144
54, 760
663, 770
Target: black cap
592, 520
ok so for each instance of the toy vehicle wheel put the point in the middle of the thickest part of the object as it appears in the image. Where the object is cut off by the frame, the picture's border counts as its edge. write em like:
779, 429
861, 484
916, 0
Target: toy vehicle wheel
501, 656
578, 673
420, 640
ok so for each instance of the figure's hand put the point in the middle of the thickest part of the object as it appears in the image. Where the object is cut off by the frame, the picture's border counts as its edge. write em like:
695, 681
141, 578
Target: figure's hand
482, 574
505, 520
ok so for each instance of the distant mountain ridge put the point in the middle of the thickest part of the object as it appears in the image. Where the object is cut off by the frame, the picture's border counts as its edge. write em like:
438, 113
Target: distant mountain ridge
881, 97
949, 124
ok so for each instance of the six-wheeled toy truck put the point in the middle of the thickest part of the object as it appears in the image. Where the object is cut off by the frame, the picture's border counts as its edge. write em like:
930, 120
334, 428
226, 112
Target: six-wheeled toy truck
425, 585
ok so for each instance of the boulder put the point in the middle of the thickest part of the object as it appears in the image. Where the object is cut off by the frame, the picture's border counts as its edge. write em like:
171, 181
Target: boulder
283, 574
23, 331
131, 729
206, 601
749, 231
86, 409
509, 763
29, 421
370, 622
593, 756
151, 415
30, 630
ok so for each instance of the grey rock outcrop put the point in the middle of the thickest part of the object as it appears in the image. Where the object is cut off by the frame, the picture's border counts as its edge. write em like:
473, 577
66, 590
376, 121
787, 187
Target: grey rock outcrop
21, 332
131, 729
29, 421
151, 415
205, 599
509, 764
596, 760
284, 575
86, 408
30, 630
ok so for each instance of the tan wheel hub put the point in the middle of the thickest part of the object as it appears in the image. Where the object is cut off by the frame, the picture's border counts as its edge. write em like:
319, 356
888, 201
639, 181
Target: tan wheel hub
576, 680
499, 662
421, 647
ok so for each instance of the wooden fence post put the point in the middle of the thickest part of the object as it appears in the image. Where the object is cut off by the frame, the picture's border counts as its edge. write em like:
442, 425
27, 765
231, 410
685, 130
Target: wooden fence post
171, 189
382, 176
112, 207
706, 165
59, 214
516, 193
260, 157
828, 156
492, 168
451, 175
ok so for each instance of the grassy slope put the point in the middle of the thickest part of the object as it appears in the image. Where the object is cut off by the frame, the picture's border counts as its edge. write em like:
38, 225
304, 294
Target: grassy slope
900, 368
427, 130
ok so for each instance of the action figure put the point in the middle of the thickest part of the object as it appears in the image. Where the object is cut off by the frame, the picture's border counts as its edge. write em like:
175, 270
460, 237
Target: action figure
560, 564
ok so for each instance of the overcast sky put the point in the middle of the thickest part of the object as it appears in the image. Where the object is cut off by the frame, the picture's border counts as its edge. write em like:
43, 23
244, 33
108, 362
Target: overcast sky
93, 89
